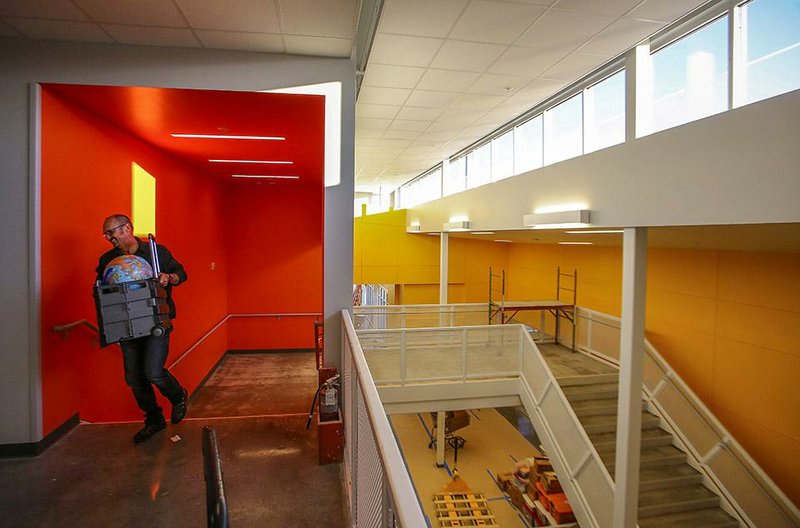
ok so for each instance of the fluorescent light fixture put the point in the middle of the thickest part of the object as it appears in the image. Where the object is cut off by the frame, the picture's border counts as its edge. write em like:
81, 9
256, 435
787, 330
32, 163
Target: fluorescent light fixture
413, 228
251, 161
576, 243
460, 225
595, 232
557, 219
265, 176
223, 136
503, 240
482, 233
559, 208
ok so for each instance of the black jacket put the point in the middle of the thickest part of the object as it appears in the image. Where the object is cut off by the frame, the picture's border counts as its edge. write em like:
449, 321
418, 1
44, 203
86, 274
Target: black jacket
166, 261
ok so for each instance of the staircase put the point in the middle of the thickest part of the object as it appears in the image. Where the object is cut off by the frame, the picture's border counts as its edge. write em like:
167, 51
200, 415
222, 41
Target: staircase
671, 492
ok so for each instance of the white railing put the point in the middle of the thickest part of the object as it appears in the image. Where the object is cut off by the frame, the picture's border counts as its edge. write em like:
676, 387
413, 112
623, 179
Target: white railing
379, 487
468, 355
420, 315
747, 489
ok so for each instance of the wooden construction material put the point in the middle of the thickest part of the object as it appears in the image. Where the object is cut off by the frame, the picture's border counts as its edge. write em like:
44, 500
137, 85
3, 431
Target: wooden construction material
463, 509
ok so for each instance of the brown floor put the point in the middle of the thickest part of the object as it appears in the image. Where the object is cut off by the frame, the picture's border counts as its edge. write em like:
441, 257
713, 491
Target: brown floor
96, 476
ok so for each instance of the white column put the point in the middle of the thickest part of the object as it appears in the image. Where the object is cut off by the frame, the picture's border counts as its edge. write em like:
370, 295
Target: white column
443, 258
440, 416
629, 408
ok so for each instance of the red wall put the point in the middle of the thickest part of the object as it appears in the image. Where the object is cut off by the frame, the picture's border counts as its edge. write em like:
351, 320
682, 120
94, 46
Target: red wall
86, 175
275, 263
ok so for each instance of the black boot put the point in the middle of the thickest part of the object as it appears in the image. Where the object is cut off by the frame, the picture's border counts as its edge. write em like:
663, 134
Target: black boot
150, 428
179, 407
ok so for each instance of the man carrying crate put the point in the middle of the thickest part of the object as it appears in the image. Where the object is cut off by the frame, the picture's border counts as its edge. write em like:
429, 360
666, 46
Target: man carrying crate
144, 357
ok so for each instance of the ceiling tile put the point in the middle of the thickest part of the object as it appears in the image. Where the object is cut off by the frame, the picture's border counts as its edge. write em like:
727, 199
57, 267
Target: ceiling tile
619, 36
437, 137
419, 114
477, 101
403, 124
530, 62
394, 144
401, 134
318, 46
259, 16
494, 84
379, 111
331, 18
372, 122
392, 76
535, 92
140, 13
664, 11
420, 17
606, 7
575, 66
460, 117
563, 29
467, 56
500, 23
51, 9
403, 51
59, 30
239, 40
369, 133
383, 96
428, 99
447, 80
152, 36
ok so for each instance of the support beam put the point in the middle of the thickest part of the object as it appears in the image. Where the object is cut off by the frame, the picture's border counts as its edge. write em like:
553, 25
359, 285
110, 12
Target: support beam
638, 92
443, 260
440, 416
629, 410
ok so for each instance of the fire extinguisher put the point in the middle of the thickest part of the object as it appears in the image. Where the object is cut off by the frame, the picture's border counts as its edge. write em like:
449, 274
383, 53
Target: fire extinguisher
328, 394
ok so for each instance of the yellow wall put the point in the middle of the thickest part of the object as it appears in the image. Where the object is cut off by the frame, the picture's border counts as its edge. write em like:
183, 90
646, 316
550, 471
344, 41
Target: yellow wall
728, 322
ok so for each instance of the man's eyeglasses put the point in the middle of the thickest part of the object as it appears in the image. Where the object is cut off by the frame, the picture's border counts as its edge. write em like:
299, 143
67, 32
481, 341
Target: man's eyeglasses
108, 232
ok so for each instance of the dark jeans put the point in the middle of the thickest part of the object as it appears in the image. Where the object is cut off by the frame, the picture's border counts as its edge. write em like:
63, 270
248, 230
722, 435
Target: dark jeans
144, 360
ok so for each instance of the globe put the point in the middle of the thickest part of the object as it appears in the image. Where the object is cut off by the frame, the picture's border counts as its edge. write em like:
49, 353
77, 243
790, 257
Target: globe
127, 268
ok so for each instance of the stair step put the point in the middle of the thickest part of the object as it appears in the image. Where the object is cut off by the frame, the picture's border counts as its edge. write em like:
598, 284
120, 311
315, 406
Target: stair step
597, 407
708, 518
608, 423
591, 392
594, 379
650, 437
651, 457
676, 500
668, 477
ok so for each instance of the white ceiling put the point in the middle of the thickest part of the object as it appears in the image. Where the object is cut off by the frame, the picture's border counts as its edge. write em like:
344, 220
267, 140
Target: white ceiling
441, 73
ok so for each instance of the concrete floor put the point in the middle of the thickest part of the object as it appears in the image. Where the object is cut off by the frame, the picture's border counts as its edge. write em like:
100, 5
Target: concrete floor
96, 476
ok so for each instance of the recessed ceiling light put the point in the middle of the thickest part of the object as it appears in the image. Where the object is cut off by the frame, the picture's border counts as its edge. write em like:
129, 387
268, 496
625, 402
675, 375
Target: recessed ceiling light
576, 243
264, 176
482, 233
251, 161
225, 136
595, 232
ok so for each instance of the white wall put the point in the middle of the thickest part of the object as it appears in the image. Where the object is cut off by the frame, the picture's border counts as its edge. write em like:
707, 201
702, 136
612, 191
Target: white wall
24, 62
738, 167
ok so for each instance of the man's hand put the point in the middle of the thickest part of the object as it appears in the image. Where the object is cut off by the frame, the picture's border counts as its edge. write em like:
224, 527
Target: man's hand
164, 279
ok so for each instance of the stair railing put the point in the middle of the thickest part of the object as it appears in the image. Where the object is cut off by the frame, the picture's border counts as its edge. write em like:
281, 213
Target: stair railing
749, 491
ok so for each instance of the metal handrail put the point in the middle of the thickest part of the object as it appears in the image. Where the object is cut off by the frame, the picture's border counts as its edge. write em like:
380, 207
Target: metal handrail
82, 322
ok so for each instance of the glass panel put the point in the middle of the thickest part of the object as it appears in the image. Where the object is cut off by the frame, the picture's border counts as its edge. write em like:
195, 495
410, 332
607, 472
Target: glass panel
690, 77
528, 145
456, 178
771, 47
563, 135
424, 189
604, 113
479, 166
503, 156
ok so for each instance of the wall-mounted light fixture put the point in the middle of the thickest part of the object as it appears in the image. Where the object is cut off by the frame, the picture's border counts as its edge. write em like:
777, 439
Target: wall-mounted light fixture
557, 219
413, 228
459, 225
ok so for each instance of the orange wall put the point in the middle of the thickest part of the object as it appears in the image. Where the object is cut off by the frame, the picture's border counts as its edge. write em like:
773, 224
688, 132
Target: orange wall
274, 248
86, 175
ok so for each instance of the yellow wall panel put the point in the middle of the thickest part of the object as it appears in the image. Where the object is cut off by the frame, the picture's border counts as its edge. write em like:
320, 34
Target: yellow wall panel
686, 311
379, 245
771, 388
143, 201
762, 279
761, 326
418, 274
683, 271
419, 294
456, 294
379, 275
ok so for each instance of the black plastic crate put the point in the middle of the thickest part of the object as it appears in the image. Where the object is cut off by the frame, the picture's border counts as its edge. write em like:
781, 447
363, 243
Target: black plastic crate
131, 309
